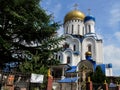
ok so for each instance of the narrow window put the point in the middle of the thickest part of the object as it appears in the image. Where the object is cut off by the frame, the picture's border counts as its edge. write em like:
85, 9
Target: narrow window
83, 31
74, 47
68, 60
67, 30
89, 48
56, 56
78, 29
72, 29
59, 57
89, 27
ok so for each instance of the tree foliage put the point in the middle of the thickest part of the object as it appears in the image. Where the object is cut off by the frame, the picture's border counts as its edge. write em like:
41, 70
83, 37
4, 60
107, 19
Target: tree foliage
27, 34
98, 76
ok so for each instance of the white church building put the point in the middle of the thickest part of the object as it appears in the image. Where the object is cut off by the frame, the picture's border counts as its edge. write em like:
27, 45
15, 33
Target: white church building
81, 47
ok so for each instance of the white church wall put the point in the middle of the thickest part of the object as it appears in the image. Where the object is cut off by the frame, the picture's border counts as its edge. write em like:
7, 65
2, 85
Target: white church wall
76, 42
92, 26
76, 60
99, 54
108, 71
73, 41
60, 57
74, 27
68, 53
64, 58
86, 42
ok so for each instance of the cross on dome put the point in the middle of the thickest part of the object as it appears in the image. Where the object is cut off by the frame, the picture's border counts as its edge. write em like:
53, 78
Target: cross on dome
89, 11
75, 6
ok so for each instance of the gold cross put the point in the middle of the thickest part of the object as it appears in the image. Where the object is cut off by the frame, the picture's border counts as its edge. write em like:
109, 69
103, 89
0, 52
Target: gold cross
75, 6
89, 10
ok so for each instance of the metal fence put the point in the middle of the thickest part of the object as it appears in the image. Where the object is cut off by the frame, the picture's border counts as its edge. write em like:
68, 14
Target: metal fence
17, 81
14, 81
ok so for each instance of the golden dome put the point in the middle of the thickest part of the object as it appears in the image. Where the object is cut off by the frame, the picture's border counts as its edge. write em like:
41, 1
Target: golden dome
75, 14
88, 53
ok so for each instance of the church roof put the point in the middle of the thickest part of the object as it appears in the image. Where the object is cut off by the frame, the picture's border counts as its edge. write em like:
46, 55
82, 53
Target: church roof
69, 80
72, 69
74, 14
90, 17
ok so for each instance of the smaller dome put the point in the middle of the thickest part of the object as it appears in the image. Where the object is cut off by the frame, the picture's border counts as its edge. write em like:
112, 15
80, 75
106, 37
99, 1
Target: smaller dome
87, 18
109, 65
88, 53
75, 14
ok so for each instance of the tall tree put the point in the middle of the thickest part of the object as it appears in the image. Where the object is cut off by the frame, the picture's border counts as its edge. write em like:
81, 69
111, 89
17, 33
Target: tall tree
26, 31
98, 78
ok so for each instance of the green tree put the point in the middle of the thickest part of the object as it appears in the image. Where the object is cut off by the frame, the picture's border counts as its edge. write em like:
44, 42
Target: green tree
98, 76
27, 34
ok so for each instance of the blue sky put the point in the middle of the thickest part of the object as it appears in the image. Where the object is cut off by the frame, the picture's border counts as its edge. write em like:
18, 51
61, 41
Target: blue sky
107, 14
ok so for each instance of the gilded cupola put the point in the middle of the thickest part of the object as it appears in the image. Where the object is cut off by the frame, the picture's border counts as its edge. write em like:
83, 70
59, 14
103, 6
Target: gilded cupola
73, 15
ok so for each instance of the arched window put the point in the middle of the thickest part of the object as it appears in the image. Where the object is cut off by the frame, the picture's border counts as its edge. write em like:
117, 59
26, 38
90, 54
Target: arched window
67, 30
68, 60
59, 57
74, 47
72, 28
89, 27
66, 45
89, 48
56, 56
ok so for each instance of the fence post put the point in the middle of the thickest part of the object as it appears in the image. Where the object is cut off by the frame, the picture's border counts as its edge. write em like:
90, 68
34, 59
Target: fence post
117, 87
105, 86
50, 81
89, 85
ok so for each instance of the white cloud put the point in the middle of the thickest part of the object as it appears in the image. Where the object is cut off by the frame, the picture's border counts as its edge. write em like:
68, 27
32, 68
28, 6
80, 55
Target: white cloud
117, 35
112, 55
114, 15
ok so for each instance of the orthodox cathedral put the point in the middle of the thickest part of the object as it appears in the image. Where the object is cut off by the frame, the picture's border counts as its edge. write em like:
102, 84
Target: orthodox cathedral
82, 49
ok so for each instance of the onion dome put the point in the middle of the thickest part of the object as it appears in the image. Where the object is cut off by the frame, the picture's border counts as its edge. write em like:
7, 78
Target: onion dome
88, 53
87, 18
75, 14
